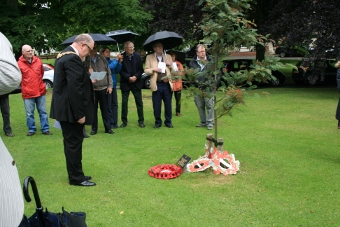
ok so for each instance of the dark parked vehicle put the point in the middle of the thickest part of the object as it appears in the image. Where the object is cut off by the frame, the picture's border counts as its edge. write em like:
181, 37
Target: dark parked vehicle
291, 51
241, 64
146, 81
314, 71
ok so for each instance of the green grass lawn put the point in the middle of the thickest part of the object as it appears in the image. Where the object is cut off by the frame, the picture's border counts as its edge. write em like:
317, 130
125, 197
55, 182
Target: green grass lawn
285, 138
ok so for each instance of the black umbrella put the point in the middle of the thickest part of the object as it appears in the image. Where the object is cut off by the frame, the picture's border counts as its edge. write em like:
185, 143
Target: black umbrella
168, 39
45, 218
99, 39
121, 36
180, 56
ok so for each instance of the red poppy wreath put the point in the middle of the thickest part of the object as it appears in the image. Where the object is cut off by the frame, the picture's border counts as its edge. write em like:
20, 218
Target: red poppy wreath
165, 171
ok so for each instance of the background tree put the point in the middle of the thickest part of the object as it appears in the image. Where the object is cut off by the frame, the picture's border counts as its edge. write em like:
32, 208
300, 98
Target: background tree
45, 25
301, 20
180, 16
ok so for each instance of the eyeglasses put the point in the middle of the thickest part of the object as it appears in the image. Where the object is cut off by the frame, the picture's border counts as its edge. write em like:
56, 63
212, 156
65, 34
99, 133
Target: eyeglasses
130, 47
90, 49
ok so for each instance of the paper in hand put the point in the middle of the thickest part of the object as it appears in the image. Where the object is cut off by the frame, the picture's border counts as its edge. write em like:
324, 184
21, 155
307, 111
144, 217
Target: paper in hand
98, 75
174, 67
162, 66
57, 125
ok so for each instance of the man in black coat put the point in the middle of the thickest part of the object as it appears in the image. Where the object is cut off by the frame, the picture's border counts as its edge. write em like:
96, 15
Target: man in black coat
131, 80
73, 104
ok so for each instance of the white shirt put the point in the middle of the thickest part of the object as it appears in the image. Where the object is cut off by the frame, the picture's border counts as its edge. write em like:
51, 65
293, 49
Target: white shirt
10, 74
11, 199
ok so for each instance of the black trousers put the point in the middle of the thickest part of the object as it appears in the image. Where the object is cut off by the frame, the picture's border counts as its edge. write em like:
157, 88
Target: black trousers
337, 115
164, 94
177, 95
73, 145
101, 97
113, 108
5, 112
137, 94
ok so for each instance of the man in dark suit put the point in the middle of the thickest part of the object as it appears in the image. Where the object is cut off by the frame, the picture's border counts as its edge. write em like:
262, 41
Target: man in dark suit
73, 104
131, 80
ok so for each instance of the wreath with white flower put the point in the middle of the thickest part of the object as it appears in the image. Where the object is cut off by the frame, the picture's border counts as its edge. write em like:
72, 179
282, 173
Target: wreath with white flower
220, 162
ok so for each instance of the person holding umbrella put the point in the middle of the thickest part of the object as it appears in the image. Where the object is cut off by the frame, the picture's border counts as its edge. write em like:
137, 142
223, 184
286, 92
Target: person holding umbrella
157, 65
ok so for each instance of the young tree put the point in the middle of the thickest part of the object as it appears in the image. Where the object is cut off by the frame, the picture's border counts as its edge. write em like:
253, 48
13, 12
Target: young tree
224, 25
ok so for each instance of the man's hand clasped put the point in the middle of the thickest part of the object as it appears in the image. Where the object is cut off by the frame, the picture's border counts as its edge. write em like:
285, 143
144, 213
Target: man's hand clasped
81, 120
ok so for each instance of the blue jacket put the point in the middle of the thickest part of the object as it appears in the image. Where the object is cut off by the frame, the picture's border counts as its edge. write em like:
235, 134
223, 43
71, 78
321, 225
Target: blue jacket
115, 68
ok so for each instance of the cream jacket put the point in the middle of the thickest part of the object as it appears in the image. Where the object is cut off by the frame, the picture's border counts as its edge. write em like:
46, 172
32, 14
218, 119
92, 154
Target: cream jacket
152, 62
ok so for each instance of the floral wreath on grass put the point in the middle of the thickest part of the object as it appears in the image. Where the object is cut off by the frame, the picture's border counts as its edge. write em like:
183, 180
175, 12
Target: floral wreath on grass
165, 171
221, 162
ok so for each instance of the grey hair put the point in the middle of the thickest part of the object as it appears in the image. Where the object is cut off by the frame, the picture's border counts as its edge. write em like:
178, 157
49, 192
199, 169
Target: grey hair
199, 46
86, 38
127, 43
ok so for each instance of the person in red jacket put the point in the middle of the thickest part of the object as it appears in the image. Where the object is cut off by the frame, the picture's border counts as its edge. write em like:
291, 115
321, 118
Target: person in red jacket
33, 90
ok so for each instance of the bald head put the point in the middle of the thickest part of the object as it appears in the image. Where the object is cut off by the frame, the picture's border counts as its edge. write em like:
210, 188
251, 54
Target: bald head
27, 52
85, 38
84, 44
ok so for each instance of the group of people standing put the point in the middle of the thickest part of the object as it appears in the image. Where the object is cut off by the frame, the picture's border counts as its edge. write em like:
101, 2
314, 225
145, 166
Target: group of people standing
73, 86
76, 96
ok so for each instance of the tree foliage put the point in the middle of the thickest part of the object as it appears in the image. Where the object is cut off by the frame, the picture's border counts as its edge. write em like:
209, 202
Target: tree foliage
45, 25
180, 16
301, 20
224, 25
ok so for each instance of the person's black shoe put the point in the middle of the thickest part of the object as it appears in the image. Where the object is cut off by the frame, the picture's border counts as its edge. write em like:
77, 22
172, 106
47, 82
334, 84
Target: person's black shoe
87, 178
157, 126
123, 125
9, 134
141, 125
109, 131
169, 126
93, 132
30, 133
85, 183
